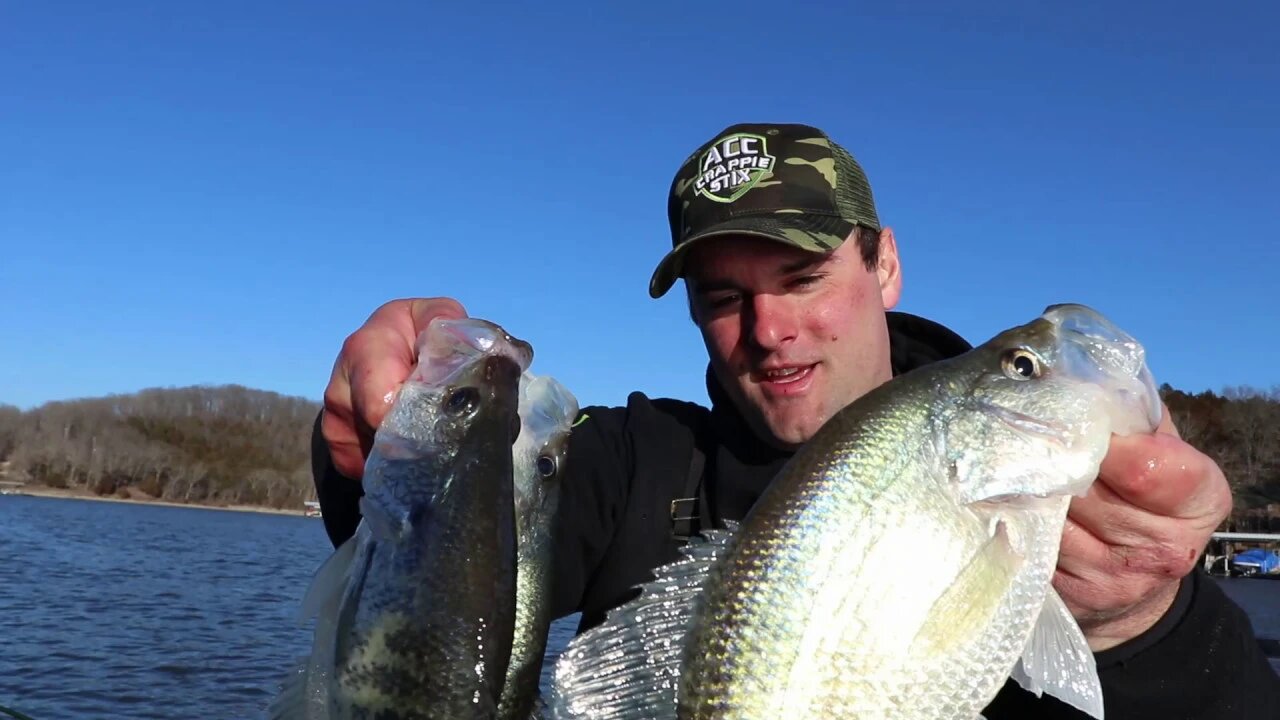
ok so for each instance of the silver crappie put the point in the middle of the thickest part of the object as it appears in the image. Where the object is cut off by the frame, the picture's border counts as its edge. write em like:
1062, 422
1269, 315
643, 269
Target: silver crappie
415, 613
818, 604
547, 411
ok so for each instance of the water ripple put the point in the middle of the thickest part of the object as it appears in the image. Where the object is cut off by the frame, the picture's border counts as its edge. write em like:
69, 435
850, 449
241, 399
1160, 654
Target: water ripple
129, 611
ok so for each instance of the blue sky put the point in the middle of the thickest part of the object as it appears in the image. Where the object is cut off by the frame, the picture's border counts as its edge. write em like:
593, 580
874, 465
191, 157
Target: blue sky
196, 193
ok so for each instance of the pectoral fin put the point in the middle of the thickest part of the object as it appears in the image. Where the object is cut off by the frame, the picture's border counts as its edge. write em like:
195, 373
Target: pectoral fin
305, 694
966, 607
330, 580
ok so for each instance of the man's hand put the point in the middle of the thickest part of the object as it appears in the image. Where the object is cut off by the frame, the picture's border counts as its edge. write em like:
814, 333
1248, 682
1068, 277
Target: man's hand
1139, 530
374, 361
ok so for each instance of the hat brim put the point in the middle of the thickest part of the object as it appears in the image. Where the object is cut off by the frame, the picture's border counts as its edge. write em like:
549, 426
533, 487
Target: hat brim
815, 233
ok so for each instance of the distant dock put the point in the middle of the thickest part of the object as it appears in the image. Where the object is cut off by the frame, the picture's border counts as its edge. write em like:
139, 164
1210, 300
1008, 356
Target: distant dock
1220, 556
1248, 537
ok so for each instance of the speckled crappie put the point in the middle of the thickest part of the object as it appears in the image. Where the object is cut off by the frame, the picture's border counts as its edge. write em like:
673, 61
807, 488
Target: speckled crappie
415, 613
900, 564
547, 412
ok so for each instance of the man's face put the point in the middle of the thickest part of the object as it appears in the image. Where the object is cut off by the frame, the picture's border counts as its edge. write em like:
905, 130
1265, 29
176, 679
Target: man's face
793, 336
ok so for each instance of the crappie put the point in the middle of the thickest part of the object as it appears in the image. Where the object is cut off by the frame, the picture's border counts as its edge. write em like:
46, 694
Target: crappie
818, 605
547, 410
415, 613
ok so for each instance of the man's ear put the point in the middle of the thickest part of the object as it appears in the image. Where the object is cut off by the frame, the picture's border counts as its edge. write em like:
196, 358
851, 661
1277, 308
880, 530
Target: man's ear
889, 270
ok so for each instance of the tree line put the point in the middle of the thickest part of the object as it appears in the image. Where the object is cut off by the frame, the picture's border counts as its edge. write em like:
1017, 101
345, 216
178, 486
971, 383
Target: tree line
236, 445
1240, 429
225, 445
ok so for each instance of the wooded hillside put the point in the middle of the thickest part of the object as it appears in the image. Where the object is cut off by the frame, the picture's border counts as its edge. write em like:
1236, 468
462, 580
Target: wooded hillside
1240, 429
216, 445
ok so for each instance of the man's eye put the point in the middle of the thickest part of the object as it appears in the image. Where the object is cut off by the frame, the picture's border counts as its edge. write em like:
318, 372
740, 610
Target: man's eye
721, 301
805, 281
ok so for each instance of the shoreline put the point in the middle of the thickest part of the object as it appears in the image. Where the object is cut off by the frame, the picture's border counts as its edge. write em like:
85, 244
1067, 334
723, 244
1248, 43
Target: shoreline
140, 499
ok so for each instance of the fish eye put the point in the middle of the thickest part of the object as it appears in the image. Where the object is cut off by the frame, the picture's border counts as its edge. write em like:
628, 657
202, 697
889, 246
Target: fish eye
1021, 364
546, 466
462, 401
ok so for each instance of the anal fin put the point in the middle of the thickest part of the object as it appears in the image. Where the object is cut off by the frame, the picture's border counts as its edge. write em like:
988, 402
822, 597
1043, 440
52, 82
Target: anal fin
1057, 660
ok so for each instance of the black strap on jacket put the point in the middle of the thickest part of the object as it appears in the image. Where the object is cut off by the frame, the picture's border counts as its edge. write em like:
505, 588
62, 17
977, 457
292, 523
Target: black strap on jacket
686, 511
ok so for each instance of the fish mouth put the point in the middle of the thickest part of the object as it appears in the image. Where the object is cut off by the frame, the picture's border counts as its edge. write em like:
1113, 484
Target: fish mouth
1148, 397
448, 347
1116, 361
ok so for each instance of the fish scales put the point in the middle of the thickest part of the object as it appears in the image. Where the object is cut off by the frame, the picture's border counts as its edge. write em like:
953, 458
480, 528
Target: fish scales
816, 611
415, 612
833, 543
818, 604
439, 610
547, 411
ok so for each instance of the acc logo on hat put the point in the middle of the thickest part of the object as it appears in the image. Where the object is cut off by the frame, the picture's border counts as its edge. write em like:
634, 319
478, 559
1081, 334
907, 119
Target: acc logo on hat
732, 166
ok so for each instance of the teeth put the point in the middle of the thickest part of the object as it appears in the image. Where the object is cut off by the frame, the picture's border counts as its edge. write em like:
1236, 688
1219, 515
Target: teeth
782, 373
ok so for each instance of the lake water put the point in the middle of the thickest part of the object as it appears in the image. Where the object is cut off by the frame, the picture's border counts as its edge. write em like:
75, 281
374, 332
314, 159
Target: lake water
113, 610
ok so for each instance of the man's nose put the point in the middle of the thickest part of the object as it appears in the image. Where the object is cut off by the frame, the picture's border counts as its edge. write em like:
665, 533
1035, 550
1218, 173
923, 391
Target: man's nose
771, 322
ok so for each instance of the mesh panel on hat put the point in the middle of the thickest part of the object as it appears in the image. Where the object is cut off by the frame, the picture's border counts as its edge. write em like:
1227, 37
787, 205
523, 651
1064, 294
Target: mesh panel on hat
853, 191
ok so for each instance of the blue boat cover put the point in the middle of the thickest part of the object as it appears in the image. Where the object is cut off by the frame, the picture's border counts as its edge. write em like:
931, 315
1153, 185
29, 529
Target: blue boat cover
1267, 561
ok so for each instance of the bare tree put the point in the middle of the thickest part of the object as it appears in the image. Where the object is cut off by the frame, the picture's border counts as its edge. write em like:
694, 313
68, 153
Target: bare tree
1252, 422
227, 444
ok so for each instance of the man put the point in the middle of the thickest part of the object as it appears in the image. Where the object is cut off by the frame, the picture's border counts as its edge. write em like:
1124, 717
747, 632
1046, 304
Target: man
791, 280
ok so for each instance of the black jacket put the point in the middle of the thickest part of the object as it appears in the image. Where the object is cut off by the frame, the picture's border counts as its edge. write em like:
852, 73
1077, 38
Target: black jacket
632, 469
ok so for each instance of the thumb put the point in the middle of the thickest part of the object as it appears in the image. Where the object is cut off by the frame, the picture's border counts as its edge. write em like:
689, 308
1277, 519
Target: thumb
423, 310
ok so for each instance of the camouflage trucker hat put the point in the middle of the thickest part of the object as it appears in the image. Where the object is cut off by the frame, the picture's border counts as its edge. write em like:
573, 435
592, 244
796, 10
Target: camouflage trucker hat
783, 182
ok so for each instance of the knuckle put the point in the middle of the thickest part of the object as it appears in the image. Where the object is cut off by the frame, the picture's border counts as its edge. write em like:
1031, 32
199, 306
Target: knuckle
333, 402
1080, 595
351, 346
337, 394
440, 305
348, 467
1158, 560
1220, 496
335, 410
1171, 561
1119, 559
389, 306
1119, 595
1220, 507
1139, 472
